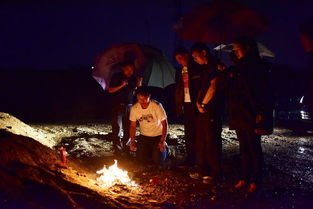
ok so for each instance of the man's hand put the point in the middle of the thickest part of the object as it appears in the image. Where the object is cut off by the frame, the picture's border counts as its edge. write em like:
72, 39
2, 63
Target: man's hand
221, 67
124, 83
139, 81
200, 108
161, 146
132, 146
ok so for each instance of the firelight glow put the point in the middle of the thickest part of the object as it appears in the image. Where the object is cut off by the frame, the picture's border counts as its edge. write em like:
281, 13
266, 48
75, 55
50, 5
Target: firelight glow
114, 175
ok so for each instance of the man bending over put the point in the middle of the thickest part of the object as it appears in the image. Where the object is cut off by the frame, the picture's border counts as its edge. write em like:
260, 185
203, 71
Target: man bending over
153, 128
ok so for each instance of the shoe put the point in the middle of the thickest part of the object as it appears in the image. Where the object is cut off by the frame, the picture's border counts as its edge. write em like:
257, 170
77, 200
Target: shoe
252, 188
194, 176
240, 184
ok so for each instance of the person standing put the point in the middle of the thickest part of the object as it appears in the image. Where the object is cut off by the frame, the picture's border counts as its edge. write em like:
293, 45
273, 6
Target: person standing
122, 87
153, 128
186, 91
250, 109
210, 106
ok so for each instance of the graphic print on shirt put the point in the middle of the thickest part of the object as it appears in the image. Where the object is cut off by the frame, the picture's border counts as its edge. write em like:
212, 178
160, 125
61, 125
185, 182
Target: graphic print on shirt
148, 118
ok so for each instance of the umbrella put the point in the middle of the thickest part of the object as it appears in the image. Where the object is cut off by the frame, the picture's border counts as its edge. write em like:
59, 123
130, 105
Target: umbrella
220, 21
150, 64
263, 50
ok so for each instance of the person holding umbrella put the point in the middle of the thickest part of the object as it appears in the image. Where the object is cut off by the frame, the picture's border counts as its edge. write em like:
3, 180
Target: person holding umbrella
210, 106
122, 87
250, 108
186, 91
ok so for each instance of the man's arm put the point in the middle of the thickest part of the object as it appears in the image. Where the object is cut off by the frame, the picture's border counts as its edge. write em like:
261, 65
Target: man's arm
164, 135
132, 133
139, 82
210, 92
113, 89
208, 96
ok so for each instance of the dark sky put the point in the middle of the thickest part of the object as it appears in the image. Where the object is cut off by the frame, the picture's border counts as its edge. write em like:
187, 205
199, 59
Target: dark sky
58, 35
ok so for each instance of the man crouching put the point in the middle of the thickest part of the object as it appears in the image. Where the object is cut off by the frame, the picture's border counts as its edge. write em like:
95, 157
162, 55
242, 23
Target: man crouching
153, 128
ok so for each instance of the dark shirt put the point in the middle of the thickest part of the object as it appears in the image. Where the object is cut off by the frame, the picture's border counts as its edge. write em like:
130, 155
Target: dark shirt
124, 95
215, 107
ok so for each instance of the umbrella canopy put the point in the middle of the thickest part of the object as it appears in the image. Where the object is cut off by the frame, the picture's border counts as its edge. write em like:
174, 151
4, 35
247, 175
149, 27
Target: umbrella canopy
149, 62
263, 50
220, 21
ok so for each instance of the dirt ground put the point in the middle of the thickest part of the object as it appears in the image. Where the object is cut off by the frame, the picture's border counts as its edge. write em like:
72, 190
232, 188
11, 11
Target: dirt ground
288, 176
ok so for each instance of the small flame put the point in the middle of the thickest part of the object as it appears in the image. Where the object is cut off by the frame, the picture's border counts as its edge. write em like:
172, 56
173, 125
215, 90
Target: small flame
114, 175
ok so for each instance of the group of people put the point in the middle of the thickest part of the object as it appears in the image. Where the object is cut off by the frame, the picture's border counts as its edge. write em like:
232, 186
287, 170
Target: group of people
204, 88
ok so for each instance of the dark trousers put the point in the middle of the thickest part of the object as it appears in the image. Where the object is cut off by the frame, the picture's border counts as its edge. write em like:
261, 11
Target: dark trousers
209, 145
251, 156
148, 150
190, 117
120, 125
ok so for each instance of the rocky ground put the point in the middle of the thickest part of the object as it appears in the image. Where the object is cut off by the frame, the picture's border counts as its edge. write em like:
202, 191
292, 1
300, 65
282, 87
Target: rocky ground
288, 179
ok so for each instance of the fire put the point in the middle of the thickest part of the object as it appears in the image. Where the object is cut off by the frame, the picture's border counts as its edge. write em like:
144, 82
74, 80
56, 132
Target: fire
114, 175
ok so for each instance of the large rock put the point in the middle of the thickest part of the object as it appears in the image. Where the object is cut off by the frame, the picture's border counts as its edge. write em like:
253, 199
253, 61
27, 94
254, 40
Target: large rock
15, 126
31, 178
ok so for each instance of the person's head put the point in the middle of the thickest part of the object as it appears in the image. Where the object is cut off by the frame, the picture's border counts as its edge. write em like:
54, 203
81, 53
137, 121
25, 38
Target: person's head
143, 95
182, 56
128, 68
200, 53
245, 46
306, 35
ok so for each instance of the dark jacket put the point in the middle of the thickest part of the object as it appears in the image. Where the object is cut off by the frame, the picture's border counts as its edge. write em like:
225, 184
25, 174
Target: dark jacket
250, 94
194, 73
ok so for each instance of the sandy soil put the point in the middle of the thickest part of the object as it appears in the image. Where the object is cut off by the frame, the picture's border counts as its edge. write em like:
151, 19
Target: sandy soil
288, 181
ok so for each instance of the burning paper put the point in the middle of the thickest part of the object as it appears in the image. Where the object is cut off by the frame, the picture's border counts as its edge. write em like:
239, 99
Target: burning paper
114, 175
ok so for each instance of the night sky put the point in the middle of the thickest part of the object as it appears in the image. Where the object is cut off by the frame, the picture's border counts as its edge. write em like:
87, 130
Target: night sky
48, 35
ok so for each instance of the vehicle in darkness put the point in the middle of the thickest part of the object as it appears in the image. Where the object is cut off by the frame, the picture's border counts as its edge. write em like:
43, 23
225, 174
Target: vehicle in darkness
293, 112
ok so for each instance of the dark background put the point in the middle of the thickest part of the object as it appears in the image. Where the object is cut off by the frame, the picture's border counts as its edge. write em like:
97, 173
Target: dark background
48, 48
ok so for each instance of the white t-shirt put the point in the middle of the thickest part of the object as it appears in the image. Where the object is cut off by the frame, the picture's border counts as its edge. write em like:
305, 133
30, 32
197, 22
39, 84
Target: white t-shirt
149, 118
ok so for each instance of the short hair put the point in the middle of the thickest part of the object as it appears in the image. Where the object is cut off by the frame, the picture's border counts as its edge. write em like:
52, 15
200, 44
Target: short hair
127, 63
181, 50
200, 47
250, 43
143, 91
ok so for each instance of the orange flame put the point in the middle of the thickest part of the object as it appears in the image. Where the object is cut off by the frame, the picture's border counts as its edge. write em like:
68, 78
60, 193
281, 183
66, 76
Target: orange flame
114, 175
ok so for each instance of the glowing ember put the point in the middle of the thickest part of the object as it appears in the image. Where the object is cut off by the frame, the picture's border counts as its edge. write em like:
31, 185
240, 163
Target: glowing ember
114, 175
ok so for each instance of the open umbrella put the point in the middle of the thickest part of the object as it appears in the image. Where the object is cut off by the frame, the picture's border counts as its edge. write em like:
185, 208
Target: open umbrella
220, 21
150, 64
263, 50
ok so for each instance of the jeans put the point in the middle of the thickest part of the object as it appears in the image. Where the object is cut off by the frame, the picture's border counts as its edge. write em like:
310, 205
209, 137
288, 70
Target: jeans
120, 125
148, 150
